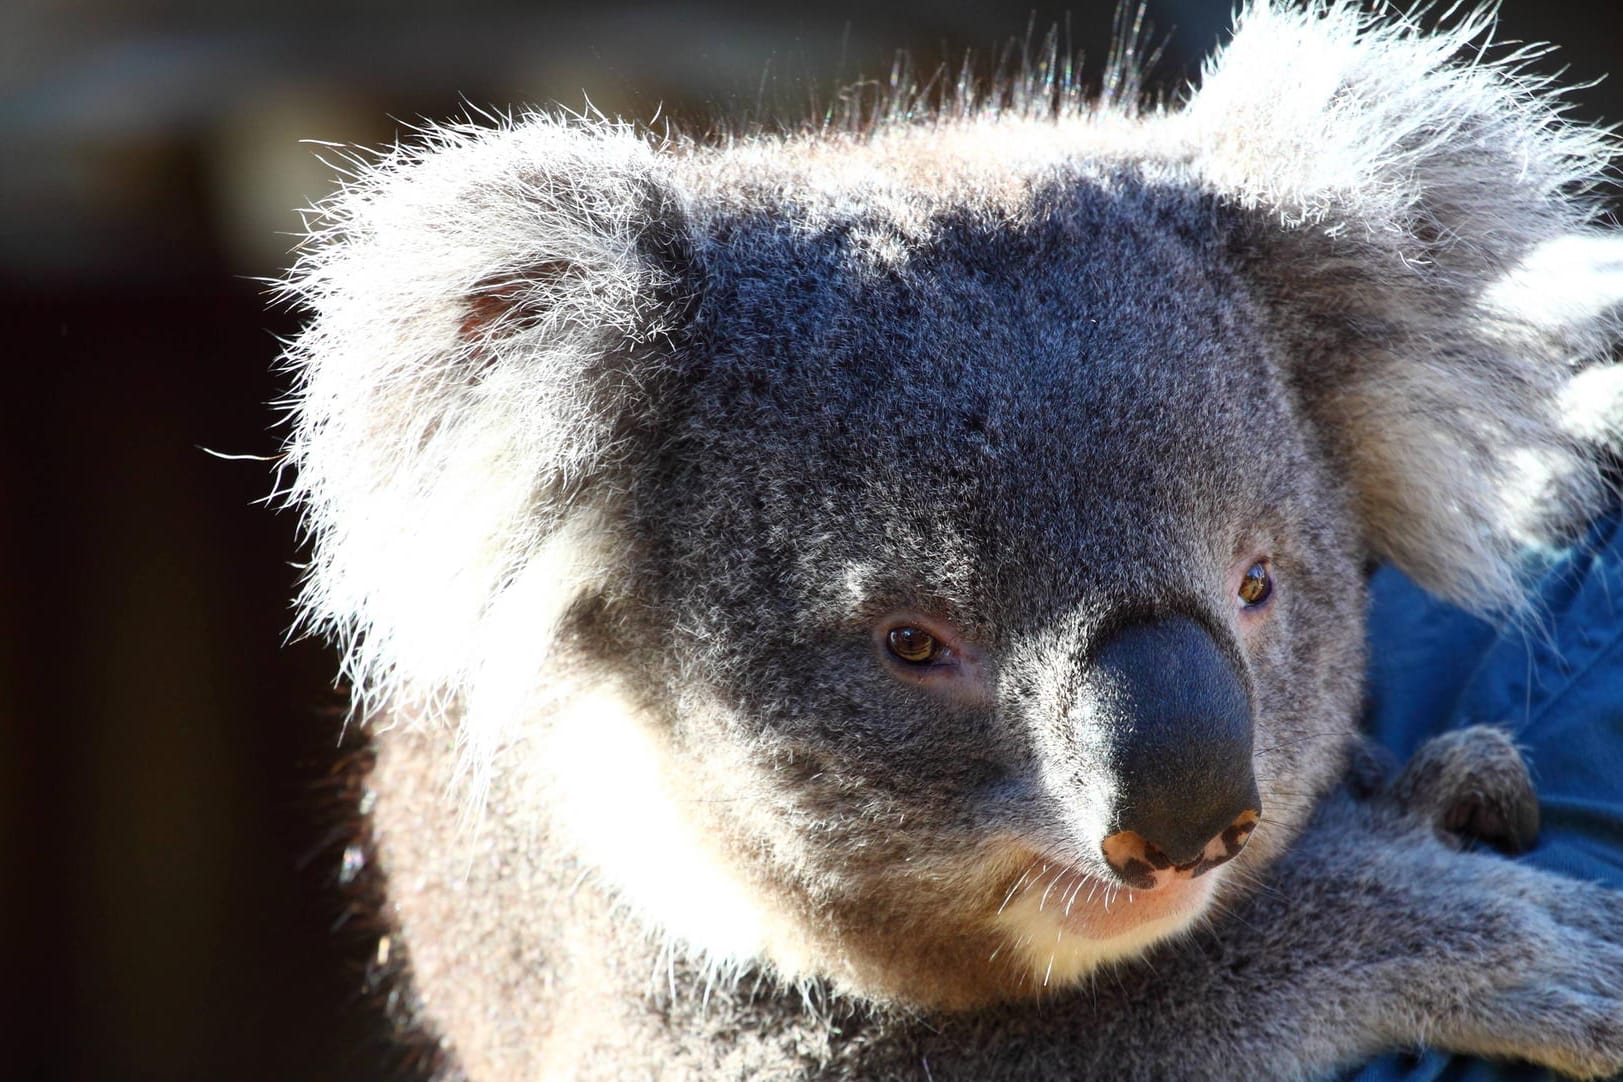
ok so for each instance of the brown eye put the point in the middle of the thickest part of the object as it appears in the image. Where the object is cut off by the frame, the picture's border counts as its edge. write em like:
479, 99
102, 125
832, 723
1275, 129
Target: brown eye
913, 645
1256, 586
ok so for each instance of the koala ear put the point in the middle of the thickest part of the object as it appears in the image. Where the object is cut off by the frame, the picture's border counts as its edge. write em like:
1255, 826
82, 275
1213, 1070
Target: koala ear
1424, 224
492, 317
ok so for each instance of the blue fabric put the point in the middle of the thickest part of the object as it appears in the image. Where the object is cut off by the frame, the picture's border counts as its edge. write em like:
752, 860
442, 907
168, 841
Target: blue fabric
1555, 679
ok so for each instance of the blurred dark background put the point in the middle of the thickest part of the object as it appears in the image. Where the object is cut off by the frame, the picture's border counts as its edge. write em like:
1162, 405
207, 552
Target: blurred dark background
169, 904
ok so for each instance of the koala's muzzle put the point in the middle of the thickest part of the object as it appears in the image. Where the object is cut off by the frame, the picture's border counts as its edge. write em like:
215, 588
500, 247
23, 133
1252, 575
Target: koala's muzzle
1186, 793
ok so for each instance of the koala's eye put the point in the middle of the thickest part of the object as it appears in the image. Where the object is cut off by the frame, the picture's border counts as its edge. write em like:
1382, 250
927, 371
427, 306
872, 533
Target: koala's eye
913, 645
930, 653
1256, 586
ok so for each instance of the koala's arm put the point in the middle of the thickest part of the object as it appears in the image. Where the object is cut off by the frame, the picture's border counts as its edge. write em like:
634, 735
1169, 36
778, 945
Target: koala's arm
1374, 932
1361, 943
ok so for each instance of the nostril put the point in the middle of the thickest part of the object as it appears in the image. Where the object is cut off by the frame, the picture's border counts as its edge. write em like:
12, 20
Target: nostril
1234, 836
1135, 860
1143, 865
1181, 821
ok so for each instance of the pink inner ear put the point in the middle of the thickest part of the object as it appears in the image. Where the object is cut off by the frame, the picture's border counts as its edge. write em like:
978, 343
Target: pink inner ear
483, 310
510, 296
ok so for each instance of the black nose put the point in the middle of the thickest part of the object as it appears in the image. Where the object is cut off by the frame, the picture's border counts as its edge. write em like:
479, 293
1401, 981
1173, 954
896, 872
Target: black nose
1180, 724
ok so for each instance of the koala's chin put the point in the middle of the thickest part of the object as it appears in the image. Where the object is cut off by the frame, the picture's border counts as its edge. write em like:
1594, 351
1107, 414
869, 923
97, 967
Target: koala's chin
1065, 922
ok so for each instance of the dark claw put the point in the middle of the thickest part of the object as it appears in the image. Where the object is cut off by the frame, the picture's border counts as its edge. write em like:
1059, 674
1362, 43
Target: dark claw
1510, 826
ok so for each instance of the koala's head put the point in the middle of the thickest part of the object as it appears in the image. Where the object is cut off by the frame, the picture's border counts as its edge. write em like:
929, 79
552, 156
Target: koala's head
932, 557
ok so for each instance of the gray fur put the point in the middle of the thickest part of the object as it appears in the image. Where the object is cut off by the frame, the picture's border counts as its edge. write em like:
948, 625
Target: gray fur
618, 457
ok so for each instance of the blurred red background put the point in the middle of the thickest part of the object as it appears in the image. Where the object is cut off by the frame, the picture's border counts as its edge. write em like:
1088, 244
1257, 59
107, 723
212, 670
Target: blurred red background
168, 861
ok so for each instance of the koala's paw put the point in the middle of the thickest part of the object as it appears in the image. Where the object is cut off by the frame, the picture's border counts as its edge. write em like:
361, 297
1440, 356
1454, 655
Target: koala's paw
1563, 1007
1471, 785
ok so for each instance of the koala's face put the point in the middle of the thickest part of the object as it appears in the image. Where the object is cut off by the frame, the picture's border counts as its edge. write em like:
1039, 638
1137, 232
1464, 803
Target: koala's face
997, 576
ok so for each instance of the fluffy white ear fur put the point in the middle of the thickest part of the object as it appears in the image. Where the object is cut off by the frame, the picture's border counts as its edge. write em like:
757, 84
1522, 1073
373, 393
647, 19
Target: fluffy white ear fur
476, 300
1428, 230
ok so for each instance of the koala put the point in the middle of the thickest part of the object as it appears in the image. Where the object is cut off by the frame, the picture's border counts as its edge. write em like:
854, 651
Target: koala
887, 601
